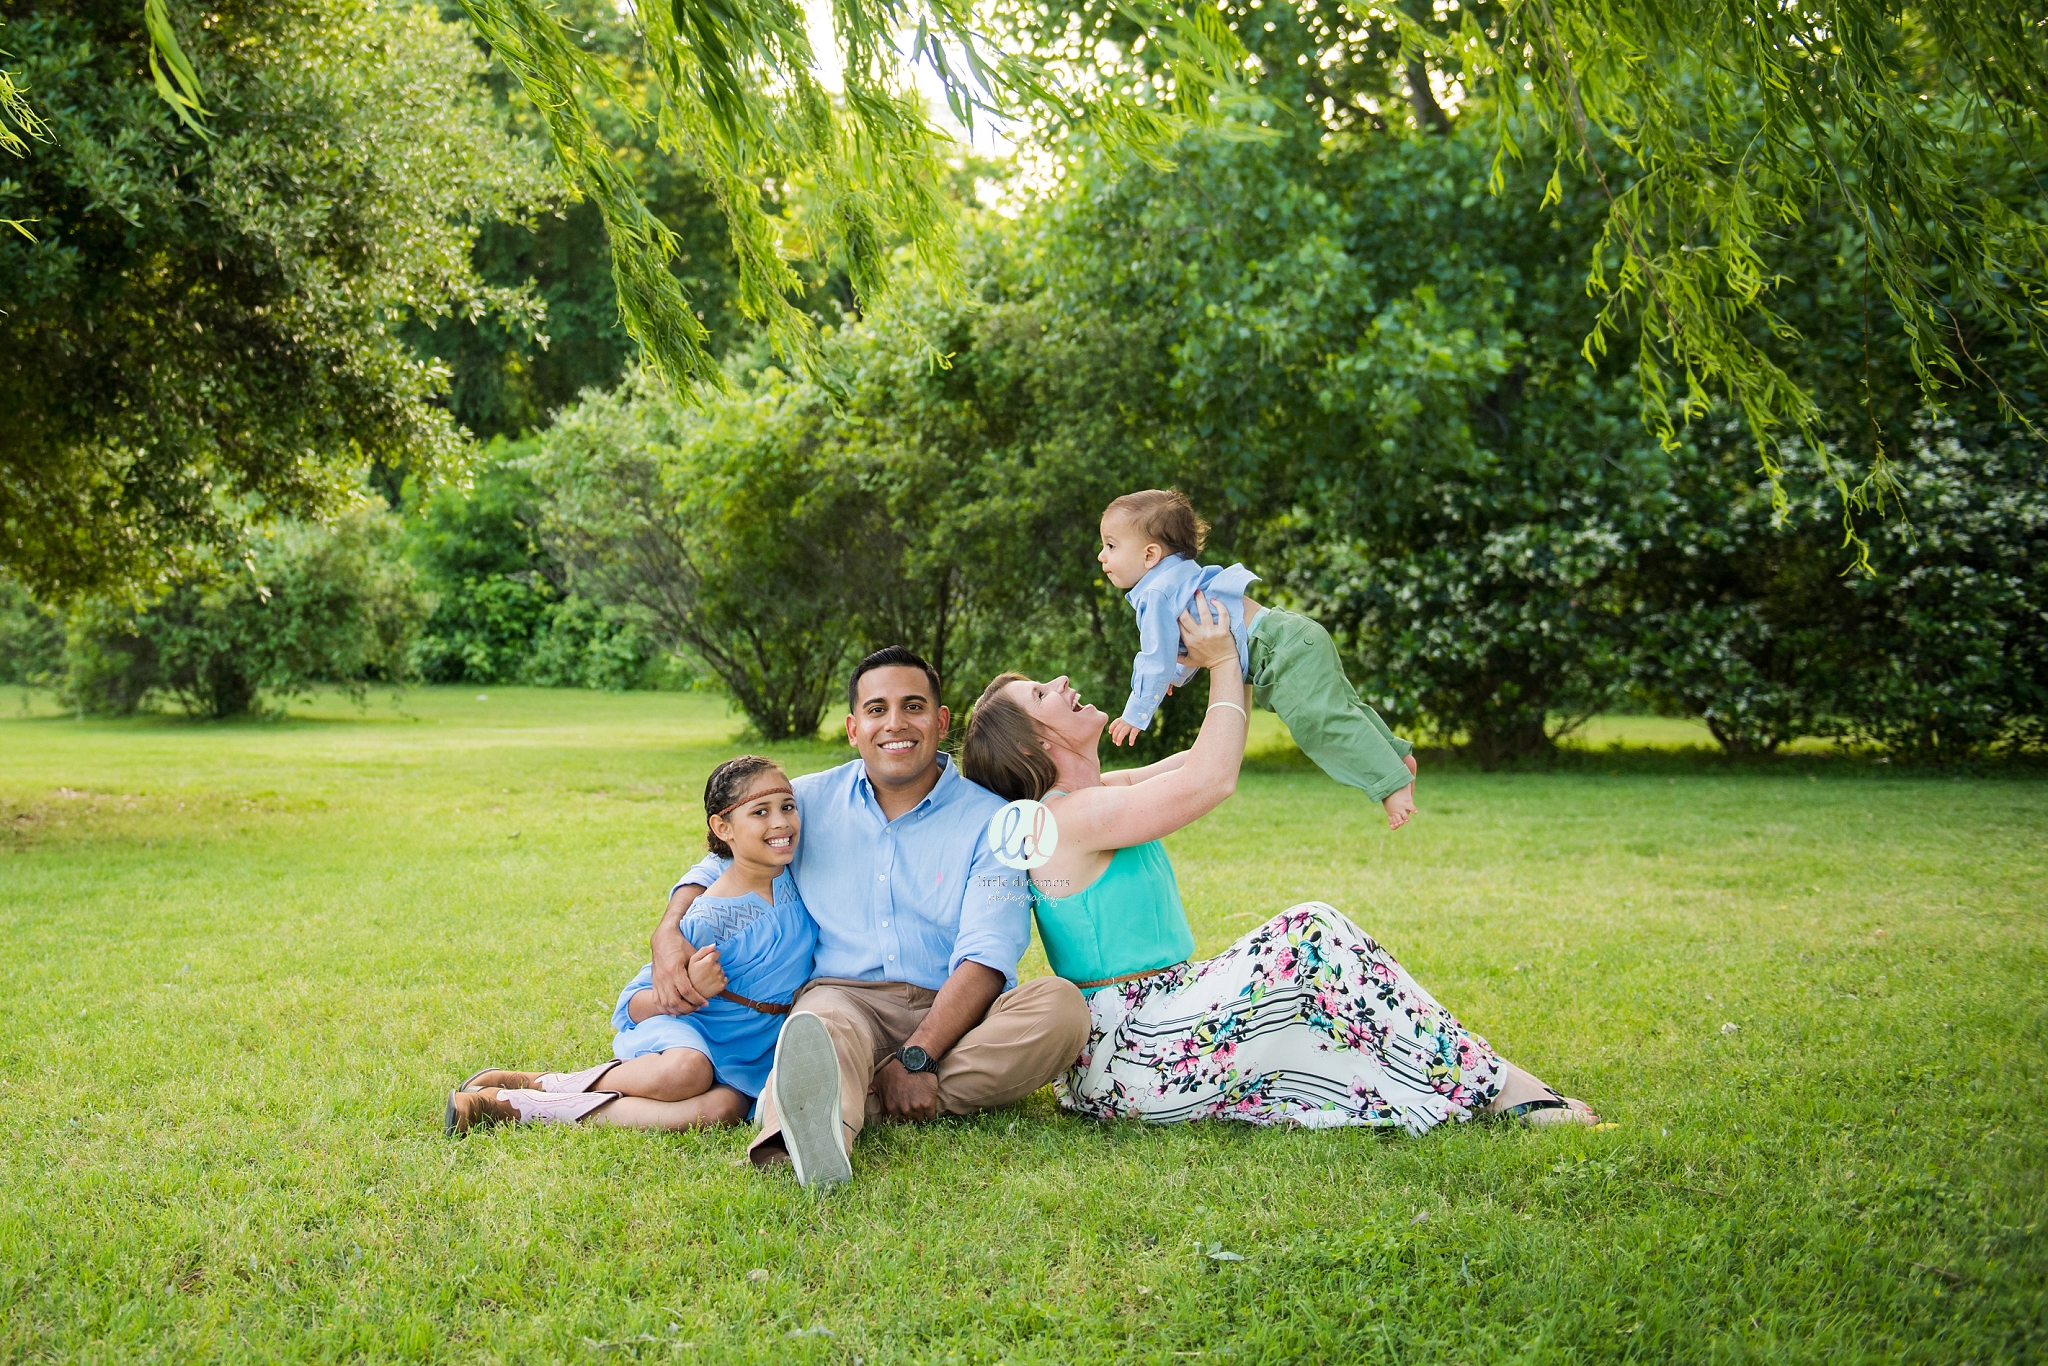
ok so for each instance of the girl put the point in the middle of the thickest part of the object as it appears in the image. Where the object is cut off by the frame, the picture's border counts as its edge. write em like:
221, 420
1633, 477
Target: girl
751, 941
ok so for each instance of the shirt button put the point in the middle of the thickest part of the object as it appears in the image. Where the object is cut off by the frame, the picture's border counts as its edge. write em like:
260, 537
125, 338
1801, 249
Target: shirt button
885, 924
892, 957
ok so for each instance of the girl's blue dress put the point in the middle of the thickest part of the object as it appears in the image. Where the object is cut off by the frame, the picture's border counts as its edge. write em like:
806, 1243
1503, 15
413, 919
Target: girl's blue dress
766, 952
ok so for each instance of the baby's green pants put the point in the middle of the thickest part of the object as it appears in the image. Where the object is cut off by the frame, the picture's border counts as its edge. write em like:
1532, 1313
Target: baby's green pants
1296, 672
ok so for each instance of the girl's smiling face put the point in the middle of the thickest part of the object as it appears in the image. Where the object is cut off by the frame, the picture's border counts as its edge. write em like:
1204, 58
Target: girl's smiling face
763, 828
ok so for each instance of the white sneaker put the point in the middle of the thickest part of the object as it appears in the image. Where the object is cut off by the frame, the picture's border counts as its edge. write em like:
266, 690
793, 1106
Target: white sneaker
807, 1101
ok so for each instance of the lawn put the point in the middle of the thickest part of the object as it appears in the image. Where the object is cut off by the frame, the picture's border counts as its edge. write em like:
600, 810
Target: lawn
242, 965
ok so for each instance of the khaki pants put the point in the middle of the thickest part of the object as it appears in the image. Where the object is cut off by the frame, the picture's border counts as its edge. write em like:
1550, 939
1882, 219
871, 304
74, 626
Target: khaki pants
1029, 1036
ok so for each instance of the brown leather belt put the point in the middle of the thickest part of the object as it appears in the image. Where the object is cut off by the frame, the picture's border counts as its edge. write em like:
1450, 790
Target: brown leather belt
1129, 976
765, 1007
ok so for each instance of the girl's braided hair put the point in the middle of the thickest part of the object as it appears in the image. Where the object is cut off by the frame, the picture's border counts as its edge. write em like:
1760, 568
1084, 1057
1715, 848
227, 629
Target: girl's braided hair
724, 788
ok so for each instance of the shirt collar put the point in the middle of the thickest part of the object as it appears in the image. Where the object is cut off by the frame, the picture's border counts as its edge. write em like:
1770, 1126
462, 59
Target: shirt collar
1156, 575
949, 777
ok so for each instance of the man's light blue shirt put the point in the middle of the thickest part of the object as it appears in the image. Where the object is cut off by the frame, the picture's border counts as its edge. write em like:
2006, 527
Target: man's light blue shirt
907, 900
1167, 590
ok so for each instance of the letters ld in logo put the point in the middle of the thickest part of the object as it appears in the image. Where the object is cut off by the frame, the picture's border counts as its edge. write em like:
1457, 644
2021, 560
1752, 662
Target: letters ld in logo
1023, 834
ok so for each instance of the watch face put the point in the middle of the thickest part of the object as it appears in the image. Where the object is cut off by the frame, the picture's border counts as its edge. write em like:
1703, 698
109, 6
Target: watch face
915, 1059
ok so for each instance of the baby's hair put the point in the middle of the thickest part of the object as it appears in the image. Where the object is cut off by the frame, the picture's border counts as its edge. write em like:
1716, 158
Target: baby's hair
724, 789
1165, 516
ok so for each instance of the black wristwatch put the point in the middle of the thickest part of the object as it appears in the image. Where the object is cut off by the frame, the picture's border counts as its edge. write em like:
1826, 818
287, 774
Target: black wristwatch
915, 1059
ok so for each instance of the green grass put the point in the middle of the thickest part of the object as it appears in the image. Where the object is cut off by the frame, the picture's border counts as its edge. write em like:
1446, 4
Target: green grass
242, 965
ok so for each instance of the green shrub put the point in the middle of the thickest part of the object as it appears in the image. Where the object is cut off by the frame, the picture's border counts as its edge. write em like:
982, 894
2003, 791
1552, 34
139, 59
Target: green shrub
735, 533
484, 630
31, 638
316, 605
584, 644
1745, 618
502, 613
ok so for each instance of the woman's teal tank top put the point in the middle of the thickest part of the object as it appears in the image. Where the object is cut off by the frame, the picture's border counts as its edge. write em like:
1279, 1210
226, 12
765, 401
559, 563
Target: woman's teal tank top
1128, 920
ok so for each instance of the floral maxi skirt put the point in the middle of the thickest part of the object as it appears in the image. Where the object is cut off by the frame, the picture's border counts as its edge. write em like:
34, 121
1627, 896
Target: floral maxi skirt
1306, 1020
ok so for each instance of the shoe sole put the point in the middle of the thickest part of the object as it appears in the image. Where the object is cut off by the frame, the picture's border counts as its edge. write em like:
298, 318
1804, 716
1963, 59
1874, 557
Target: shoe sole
448, 1128
807, 1102
470, 1084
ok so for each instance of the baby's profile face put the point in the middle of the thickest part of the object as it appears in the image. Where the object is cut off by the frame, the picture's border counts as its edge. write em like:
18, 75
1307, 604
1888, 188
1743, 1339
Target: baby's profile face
764, 828
1126, 555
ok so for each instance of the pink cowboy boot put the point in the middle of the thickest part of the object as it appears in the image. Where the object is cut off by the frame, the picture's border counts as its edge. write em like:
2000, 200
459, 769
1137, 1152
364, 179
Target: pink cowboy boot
494, 1105
565, 1083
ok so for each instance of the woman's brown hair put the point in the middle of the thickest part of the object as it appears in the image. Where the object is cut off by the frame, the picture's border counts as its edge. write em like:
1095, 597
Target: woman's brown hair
1001, 748
724, 789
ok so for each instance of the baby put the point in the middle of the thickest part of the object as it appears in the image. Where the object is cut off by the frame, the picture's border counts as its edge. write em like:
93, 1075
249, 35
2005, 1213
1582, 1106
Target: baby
752, 941
1149, 544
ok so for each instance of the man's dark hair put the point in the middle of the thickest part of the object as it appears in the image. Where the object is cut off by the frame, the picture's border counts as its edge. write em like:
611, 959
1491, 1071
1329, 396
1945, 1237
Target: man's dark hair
889, 657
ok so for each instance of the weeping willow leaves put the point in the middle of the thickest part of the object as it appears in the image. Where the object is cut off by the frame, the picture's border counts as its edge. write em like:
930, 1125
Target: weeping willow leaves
1712, 127
738, 94
18, 122
170, 68
740, 97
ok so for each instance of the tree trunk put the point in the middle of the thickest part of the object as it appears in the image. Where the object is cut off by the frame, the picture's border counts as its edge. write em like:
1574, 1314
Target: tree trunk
1513, 739
1429, 115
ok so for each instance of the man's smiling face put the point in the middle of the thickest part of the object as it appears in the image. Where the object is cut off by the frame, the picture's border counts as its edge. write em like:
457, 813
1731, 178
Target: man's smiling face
897, 725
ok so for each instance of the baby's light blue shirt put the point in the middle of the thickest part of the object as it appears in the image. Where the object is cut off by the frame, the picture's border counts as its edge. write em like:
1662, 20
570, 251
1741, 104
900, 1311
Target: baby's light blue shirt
1167, 590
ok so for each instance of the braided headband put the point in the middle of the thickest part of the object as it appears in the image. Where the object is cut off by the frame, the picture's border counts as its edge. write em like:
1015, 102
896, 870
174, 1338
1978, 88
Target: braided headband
754, 797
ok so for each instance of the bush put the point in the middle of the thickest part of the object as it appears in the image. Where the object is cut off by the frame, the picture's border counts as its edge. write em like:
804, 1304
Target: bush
739, 533
1749, 622
584, 644
317, 605
1506, 640
484, 630
502, 612
31, 638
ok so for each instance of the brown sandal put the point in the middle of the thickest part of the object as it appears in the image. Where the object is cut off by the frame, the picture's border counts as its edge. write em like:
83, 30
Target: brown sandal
474, 1109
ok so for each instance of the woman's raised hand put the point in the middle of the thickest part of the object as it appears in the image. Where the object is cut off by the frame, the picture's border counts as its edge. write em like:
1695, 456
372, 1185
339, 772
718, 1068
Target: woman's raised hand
1205, 634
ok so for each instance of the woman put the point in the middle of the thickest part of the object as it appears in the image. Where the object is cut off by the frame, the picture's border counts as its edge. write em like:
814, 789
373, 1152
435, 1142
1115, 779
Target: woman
1303, 1021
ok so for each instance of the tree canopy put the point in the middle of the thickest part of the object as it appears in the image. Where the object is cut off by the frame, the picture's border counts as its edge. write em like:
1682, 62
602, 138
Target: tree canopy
1712, 133
202, 332
1740, 165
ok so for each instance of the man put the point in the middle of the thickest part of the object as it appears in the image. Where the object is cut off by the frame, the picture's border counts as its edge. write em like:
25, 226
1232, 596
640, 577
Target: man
913, 1009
